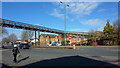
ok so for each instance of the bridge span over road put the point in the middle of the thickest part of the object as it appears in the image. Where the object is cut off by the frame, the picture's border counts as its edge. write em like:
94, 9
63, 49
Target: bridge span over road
20, 25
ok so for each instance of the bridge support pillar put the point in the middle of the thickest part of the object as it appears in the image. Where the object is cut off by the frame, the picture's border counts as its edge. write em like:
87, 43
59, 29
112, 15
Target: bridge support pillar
39, 37
63, 36
35, 37
60, 38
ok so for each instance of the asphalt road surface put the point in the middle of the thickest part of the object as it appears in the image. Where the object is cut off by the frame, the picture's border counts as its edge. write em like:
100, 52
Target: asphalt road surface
82, 56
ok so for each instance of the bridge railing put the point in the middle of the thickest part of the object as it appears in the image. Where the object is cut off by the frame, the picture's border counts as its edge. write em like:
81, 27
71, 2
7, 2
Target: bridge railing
36, 27
25, 25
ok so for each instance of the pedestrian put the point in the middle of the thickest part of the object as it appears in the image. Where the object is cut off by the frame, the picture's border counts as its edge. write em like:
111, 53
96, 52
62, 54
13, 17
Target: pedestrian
15, 52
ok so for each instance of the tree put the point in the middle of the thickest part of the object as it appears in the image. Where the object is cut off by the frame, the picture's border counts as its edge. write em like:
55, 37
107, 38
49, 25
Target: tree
27, 34
94, 35
98, 35
67, 42
116, 26
108, 32
108, 29
30, 34
91, 37
12, 38
3, 31
5, 40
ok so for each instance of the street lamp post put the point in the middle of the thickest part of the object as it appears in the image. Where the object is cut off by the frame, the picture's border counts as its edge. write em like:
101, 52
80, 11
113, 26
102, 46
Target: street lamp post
65, 38
65, 22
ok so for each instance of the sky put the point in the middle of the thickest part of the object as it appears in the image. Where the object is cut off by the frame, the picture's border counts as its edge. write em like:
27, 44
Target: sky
80, 16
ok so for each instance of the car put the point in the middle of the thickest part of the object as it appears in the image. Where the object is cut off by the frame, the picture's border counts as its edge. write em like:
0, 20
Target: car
54, 43
24, 46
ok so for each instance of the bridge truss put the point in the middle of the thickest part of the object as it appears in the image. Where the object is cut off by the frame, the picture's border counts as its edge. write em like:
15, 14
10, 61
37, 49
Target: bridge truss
21, 25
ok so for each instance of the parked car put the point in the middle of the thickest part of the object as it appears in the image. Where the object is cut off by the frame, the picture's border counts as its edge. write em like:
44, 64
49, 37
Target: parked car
24, 46
54, 43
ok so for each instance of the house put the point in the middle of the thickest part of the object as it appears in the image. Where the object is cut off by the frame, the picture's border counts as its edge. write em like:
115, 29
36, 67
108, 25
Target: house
48, 38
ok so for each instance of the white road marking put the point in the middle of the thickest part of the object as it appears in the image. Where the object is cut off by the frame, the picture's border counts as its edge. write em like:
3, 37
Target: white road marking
4, 49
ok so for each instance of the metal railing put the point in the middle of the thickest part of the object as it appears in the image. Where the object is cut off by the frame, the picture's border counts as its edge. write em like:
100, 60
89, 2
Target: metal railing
20, 25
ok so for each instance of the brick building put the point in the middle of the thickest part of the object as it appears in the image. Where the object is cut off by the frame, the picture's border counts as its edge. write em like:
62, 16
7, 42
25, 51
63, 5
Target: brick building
48, 38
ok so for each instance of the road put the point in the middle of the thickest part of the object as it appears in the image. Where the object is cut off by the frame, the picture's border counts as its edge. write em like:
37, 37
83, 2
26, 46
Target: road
84, 55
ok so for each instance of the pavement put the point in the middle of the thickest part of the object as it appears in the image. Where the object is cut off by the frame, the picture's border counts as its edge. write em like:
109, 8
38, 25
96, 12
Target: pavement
78, 57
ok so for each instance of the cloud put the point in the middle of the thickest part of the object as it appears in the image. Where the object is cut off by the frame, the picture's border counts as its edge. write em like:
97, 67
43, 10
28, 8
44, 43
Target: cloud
96, 23
57, 14
93, 22
100, 28
101, 10
39, 24
71, 20
77, 9
82, 8
74, 29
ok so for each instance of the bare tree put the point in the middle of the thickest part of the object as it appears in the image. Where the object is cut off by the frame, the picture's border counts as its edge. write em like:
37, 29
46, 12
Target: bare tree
12, 38
5, 40
24, 35
3, 30
95, 35
27, 34
116, 26
30, 34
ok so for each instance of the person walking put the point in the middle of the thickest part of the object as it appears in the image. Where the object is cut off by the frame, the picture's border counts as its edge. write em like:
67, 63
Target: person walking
15, 51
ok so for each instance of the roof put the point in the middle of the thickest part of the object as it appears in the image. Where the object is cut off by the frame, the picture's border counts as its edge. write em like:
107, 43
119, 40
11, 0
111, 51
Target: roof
49, 35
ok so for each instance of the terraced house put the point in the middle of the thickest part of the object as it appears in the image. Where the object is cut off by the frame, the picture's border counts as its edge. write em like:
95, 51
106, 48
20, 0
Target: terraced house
48, 38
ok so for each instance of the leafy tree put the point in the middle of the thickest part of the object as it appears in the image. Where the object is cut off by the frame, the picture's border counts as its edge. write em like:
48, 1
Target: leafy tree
67, 42
108, 31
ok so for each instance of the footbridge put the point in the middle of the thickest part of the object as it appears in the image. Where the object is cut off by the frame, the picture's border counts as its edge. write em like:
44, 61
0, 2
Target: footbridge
21, 25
